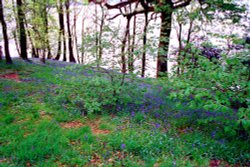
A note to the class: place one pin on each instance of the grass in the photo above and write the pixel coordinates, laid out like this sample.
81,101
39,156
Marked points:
39,127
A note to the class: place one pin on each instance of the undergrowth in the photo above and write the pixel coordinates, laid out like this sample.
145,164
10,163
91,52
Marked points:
72,116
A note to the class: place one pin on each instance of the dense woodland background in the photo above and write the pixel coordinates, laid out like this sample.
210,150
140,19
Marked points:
155,82
121,35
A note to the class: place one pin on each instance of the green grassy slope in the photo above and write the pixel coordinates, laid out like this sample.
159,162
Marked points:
38,128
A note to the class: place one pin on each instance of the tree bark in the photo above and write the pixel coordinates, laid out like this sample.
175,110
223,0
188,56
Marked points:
100,48
61,33
5,35
33,49
22,31
124,41
61,26
144,45
82,45
46,24
71,54
96,36
131,56
162,59
15,32
75,35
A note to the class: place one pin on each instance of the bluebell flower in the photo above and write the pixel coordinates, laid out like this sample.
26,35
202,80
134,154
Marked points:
132,113
123,146
213,134
157,125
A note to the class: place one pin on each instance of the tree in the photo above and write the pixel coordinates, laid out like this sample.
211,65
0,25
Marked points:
71,54
166,8
22,31
5,35
61,32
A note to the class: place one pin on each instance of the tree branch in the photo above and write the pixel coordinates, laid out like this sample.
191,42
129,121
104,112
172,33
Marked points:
120,5
181,3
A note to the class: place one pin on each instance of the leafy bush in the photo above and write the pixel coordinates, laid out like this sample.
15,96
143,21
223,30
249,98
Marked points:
219,90
105,91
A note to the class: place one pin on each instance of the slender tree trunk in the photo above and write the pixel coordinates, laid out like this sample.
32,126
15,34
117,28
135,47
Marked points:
123,56
16,42
180,50
100,48
59,49
49,56
131,57
75,36
71,54
129,50
22,31
33,49
162,59
82,45
5,35
61,33
96,36
144,45
15,32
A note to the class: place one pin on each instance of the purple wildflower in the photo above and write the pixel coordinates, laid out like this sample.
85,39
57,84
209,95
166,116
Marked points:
213,134
123,146
157,125
132,113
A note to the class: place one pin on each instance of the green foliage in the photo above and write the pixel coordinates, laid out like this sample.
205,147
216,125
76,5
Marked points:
218,86
97,94
33,115
9,119
46,141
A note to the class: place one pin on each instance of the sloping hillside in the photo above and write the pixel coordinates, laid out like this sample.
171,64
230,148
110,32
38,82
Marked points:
62,114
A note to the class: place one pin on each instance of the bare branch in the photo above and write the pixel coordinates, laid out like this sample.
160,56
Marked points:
115,16
120,5
181,3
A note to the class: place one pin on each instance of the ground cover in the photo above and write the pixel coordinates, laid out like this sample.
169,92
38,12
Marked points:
51,115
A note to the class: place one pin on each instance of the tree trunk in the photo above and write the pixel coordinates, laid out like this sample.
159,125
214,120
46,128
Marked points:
96,35
46,24
59,49
129,50
71,54
123,56
75,35
100,48
16,42
82,45
144,45
22,31
61,33
162,59
5,35
33,49
15,32
60,17
131,56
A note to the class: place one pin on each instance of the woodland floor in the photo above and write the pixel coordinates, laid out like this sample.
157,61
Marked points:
37,130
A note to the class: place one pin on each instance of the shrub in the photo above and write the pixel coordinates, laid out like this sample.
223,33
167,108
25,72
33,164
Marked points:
219,90
102,92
